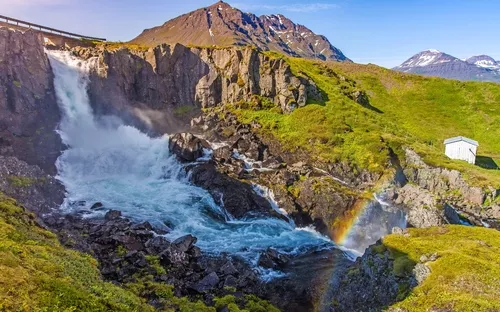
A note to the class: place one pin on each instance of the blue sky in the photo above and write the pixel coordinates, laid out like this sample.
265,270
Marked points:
384,32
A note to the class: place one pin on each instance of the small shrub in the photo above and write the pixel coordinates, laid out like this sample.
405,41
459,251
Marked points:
183,110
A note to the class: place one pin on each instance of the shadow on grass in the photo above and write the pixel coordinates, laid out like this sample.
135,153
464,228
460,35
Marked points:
486,163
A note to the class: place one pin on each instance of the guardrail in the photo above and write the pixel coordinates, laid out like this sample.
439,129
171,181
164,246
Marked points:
10,20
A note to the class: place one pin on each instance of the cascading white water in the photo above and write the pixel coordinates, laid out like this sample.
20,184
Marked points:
126,170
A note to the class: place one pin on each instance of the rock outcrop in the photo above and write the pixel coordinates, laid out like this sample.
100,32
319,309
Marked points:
433,187
376,280
162,88
423,208
29,113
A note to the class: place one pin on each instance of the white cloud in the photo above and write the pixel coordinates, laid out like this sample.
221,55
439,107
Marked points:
298,7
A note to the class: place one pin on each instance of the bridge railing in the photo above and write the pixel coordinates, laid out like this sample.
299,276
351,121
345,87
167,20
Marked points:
10,20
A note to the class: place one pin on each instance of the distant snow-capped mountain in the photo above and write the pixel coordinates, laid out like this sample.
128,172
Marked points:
484,61
439,64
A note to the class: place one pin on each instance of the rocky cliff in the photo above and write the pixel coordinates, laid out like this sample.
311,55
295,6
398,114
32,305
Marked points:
431,189
28,109
163,87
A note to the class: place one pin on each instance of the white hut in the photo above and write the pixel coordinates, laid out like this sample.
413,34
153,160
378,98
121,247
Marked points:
461,148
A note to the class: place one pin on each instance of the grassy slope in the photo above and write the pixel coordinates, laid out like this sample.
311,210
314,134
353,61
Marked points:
38,274
466,275
415,111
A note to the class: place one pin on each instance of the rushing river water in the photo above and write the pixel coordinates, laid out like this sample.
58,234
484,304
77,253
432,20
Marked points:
125,169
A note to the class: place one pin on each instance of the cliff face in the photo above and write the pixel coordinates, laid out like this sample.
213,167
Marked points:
28,109
432,189
163,87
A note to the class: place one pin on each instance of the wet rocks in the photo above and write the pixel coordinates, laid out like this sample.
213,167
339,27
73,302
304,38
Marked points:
112,215
187,146
185,243
273,259
237,197
97,206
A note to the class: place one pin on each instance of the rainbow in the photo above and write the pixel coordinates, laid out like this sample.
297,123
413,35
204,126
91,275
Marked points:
343,225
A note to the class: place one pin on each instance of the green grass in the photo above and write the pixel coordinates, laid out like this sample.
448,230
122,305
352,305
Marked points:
466,274
405,110
20,181
183,110
38,274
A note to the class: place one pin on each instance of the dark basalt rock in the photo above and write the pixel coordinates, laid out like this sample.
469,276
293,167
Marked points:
273,259
185,243
112,215
97,206
173,256
372,281
187,146
207,283
236,197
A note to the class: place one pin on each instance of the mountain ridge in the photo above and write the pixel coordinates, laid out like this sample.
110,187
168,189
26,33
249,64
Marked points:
222,25
439,64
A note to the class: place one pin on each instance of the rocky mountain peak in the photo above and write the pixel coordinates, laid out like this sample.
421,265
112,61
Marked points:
439,64
484,61
222,25
427,58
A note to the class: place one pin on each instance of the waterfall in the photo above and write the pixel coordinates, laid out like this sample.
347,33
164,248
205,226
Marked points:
125,169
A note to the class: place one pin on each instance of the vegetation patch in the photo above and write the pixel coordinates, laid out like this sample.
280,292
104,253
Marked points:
183,110
21,181
465,277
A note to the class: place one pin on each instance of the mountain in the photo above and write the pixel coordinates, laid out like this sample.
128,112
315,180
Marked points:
484,61
439,64
222,25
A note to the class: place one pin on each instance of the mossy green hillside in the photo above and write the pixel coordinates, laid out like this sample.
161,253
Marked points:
464,277
403,110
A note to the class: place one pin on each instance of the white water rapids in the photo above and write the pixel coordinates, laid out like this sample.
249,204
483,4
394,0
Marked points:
123,168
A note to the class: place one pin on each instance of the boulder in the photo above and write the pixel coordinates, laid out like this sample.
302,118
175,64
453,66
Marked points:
112,215
97,206
173,256
238,198
187,147
271,258
207,283
157,244
184,243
